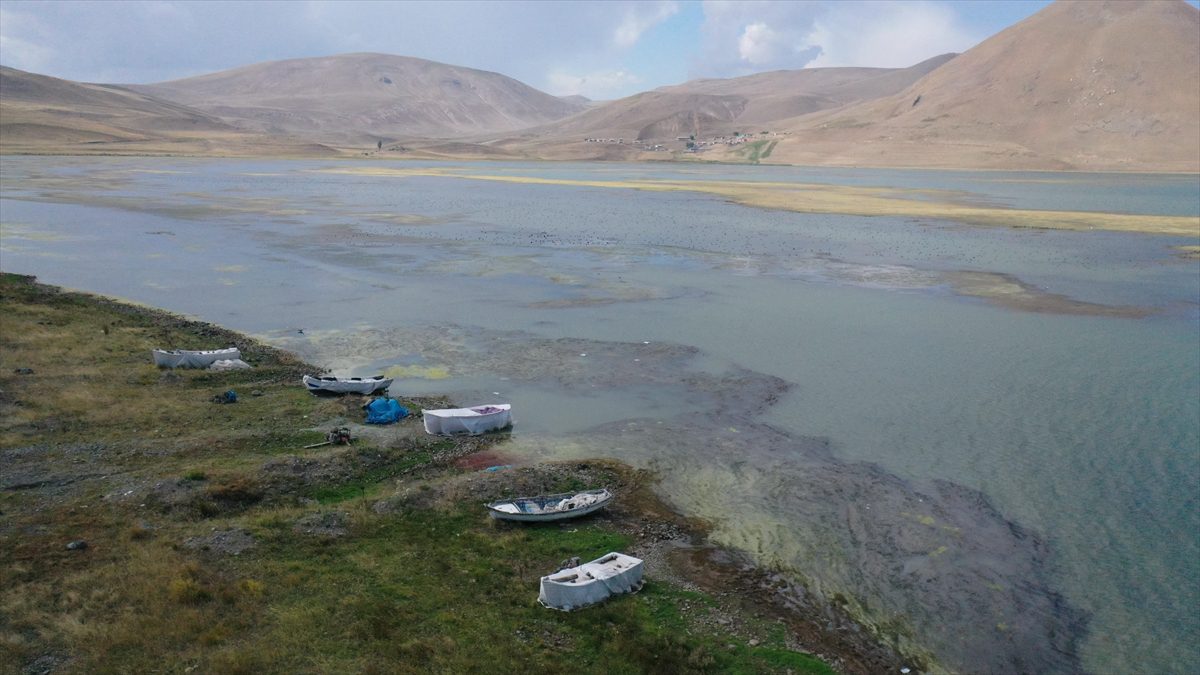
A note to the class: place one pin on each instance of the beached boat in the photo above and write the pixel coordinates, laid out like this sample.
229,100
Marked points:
591,582
186,358
551,507
347,385
472,421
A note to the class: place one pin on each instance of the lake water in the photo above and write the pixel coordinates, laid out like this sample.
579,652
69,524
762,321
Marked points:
1010,488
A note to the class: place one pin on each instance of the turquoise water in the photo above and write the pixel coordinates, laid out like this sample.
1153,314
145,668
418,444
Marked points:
601,312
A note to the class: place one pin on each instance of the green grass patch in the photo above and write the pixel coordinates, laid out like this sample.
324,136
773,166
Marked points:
418,589
434,591
757,150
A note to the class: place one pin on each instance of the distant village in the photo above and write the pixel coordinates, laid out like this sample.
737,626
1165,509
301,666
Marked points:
691,143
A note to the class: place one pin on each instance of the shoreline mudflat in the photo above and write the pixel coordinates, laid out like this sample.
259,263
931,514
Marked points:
213,540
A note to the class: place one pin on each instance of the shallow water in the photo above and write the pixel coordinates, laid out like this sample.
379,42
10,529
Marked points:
764,361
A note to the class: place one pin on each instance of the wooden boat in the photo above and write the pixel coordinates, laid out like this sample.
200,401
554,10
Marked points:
551,507
186,358
591,582
472,421
347,385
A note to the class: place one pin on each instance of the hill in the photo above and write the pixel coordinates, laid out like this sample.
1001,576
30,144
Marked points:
357,98
47,114
715,107
1079,85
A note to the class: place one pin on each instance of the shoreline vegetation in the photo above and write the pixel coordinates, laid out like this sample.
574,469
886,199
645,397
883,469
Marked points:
216,543
844,200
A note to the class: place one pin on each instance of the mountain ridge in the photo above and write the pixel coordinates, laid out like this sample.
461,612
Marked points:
1094,86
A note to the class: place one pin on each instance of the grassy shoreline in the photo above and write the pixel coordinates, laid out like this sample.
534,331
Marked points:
215,544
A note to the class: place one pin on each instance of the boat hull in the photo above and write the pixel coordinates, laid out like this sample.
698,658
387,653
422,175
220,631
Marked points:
592,582
185,358
347,385
450,421
532,509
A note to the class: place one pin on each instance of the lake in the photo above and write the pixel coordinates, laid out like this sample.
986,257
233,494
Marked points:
984,441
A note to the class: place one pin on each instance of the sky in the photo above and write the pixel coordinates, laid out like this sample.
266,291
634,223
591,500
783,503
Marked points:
602,50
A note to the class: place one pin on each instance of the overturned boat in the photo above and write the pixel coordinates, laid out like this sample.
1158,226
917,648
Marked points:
186,358
474,421
591,582
347,385
551,507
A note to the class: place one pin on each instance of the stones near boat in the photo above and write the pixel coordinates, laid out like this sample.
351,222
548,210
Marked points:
77,545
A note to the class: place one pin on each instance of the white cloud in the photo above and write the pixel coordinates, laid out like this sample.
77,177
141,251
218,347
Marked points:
739,38
888,34
759,44
599,85
639,18
21,43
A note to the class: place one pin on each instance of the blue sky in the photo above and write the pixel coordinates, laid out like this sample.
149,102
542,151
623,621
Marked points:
599,49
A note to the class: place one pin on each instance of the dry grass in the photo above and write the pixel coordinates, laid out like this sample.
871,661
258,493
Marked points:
846,200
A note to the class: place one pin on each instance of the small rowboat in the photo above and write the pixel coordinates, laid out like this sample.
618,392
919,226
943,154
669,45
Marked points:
551,507
591,582
184,358
347,385
472,421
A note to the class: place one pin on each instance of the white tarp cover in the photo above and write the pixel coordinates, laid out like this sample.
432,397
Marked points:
472,421
184,358
348,385
591,582
229,364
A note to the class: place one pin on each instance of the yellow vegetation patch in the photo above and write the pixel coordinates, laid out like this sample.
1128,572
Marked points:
418,372
845,200
1188,252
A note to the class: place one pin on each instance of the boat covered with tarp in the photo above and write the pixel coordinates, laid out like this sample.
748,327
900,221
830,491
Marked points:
186,358
551,507
591,582
347,385
474,421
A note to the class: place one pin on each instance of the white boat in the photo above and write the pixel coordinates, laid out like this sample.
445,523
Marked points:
347,385
186,358
591,582
551,507
472,421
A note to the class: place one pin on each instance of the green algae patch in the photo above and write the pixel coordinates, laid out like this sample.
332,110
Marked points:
843,200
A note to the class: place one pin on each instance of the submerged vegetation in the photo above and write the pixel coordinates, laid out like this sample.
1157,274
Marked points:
213,542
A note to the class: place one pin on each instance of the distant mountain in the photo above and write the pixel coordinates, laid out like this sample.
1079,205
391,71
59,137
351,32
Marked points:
578,99
360,97
1082,84
722,106
40,114
1079,85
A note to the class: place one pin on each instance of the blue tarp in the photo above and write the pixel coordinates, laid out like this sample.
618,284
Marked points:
385,411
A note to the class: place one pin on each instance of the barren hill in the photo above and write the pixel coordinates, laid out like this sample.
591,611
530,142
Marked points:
714,107
359,97
1079,85
46,114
